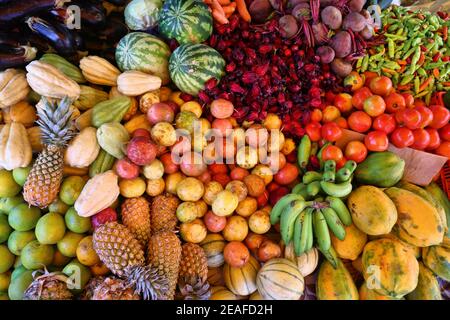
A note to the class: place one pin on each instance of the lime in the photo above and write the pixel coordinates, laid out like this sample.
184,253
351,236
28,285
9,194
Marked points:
6,258
58,206
78,275
18,240
36,255
8,187
76,223
59,260
19,283
24,218
70,189
50,228
68,245
5,229
5,279
6,204
20,175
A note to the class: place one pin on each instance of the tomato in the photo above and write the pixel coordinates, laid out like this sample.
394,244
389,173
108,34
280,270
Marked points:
359,96
421,139
359,121
381,85
426,114
356,151
441,116
384,122
410,118
343,101
402,137
341,122
331,131
354,81
369,75
376,141
332,153
341,163
374,105
444,132
435,140
330,113
316,115
444,149
313,131
419,102
409,99
395,102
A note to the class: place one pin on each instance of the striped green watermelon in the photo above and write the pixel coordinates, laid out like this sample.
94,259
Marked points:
143,52
142,14
187,21
191,65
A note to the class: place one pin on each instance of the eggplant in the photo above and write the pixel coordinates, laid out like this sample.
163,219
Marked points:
11,57
58,36
79,41
94,44
17,10
92,14
113,30
118,2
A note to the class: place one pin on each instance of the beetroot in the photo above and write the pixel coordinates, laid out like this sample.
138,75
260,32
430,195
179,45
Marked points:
341,67
102,217
288,26
259,10
354,21
141,151
302,11
342,44
367,32
356,5
332,17
326,54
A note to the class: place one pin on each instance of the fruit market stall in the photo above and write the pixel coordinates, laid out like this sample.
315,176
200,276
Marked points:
224,150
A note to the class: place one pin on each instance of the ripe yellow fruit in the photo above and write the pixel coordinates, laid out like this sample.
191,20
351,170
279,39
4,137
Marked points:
86,253
192,106
175,97
155,187
132,188
225,203
194,231
236,229
259,222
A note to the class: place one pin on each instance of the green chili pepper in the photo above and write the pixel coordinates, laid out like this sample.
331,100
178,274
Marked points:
394,37
365,63
415,58
430,66
423,93
406,79
416,42
421,72
393,27
408,53
391,48
399,32
416,84
359,63
395,78
407,45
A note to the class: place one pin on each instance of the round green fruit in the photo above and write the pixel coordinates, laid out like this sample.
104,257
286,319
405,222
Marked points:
36,255
58,206
8,187
6,258
7,204
24,218
70,189
20,175
68,245
50,228
5,280
18,240
21,278
76,223
78,275
5,229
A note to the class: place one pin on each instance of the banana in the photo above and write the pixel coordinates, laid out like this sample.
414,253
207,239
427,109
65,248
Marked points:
334,223
288,216
343,174
306,239
314,148
304,152
298,228
329,176
341,210
311,176
330,165
313,188
310,235
277,209
319,154
351,165
331,256
298,188
339,190
321,231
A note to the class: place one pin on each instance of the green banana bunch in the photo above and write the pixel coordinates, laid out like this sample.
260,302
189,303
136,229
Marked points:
304,152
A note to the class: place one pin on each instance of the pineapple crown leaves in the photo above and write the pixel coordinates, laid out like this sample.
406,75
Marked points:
55,121
193,288
147,282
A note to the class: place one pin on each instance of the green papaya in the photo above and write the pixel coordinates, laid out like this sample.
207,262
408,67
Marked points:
102,163
441,198
381,169
428,286
437,258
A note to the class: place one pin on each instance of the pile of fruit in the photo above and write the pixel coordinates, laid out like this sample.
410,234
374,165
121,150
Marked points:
223,150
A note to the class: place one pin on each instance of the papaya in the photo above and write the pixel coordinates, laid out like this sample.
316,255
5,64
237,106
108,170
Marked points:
418,221
440,197
352,245
428,197
389,268
381,169
428,286
393,235
335,283
437,258
372,211
369,294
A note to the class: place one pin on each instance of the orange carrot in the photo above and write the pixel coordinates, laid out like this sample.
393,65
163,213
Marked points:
219,17
224,2
215,5
230,8
242,9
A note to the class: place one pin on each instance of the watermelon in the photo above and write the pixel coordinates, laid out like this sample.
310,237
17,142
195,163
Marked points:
187,21
142,14
143,52
191,65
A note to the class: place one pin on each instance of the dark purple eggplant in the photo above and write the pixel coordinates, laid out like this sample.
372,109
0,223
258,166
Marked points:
113,30
92,14
9,39
79,41
117,2
62,15
94,44
59,37
11,57
18,10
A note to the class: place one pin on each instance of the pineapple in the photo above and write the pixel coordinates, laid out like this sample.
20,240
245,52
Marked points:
49,286
123,255
43,182
193,275
163,213
113,288
164,254
136,217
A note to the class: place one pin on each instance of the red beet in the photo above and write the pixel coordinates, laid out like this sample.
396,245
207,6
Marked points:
141,151
104,216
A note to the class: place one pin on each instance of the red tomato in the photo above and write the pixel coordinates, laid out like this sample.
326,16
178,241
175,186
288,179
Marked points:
381,85
369,75
444,132
395,102
409,99
343,101
402,137
410,118
444,149
341,122
316,115
359,121
332,153
287,174
384,122
421,139
441,116
376,141
356,151
426,114
331,131
341,163
419,102
374,105
313,131
359,96
435,140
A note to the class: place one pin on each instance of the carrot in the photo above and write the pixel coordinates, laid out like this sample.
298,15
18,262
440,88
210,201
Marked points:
224,2
230,8
425,84
436,73
215,5
242,9
445,31
219,17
